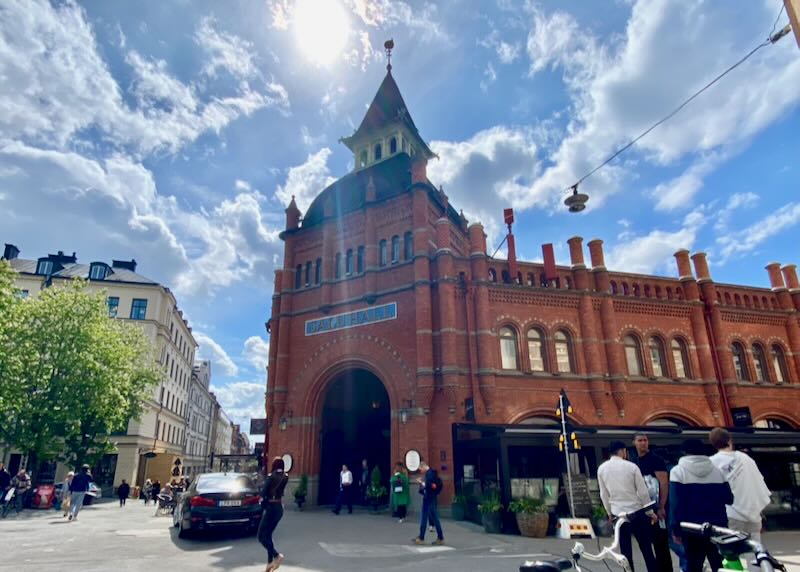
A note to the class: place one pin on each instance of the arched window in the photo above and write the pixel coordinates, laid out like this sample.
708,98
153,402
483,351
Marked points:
318,272
760,363
613,287
563,352
658,292
739,363
506,277
378,152
647,291
508,348
519,277
395,249
348,264
382,254
625,289
298,277
737,299
728,301
636,290
360,260
681,358
669,293
338,266
633,355
679,293
536,349
530,279
392,146
657,357
779,364
363,159
492,275
308,273
772,423
756,302
408,245
746,300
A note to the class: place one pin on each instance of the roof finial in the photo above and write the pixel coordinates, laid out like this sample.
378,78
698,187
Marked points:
389,46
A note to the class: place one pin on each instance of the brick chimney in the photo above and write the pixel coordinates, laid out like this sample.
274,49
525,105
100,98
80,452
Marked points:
596,254
125,264
701,266
684,265
775,276
576,251
789,276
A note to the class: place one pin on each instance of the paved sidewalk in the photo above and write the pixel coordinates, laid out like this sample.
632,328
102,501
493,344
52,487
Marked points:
107,538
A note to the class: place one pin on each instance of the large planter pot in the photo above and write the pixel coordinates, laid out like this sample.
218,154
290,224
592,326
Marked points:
492,522
533,524
602,527
300,500
458,511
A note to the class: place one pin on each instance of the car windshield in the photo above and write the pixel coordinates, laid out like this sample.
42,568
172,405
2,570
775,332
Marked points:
225,483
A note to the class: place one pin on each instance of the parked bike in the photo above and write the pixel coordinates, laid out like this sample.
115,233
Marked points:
11,501
733,543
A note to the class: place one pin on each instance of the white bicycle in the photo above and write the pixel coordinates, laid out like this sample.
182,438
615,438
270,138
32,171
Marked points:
611,552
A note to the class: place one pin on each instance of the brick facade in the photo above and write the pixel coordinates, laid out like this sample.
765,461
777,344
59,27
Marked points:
443,348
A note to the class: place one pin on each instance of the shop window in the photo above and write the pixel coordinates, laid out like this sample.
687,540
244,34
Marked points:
739,363
382,254
779,364
760,363
338,266
657,359
536,353
633,355
508,348
408,245
563,345
348,265
360,260
395,249
680,357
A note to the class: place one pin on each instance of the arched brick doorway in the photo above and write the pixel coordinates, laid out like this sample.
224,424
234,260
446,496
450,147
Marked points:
356,418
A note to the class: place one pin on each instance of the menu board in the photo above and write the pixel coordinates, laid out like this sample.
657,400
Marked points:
581,496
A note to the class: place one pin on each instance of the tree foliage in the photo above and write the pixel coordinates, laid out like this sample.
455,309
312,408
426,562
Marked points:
70,376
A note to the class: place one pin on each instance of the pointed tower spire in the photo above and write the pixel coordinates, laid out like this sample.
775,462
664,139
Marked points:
292,215
387,128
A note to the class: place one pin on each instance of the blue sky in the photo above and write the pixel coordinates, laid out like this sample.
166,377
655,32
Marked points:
175,132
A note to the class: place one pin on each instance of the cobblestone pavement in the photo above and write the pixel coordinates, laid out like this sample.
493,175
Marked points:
107,538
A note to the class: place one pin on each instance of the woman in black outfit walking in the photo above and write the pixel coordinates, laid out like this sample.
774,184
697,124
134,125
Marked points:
272,501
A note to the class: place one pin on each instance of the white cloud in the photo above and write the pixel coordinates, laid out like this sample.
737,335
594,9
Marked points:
748,239
226,51
506,52
389,14
211,350
310,140
679,192
256,351
305,181
653,251
489,77
736,202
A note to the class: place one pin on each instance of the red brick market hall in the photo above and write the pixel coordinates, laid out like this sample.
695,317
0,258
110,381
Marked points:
393,330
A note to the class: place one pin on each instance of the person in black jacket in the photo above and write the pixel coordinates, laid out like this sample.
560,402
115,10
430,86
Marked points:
123,492
272,502
78,489
698,493
430,487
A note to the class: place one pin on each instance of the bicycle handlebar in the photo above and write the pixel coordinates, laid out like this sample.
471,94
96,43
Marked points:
735,542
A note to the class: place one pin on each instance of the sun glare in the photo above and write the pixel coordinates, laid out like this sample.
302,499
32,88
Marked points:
321,28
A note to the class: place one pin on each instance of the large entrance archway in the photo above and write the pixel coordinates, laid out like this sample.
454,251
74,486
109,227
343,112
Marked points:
355,425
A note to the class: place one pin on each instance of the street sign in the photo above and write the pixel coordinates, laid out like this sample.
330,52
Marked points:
258,426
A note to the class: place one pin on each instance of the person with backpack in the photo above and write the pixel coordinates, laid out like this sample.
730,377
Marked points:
429,487
750,493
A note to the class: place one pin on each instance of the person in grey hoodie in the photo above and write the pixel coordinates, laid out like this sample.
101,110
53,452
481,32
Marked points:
698,493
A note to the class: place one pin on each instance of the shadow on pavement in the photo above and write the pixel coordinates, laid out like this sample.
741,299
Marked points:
231,548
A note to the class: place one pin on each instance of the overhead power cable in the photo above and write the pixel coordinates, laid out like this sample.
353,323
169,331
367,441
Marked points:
771,39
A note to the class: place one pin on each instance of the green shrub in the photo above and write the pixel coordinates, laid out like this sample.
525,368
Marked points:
527,505
490,502
302,486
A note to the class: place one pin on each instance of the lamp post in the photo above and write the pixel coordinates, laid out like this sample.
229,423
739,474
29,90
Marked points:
566,440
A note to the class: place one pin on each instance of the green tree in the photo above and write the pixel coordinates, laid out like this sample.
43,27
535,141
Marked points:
74,375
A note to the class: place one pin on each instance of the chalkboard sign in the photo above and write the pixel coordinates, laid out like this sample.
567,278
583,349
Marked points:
581,496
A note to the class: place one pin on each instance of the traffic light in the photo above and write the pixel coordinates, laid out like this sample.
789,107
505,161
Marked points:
563,402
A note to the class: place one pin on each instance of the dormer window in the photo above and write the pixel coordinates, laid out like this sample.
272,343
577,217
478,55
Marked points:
98,271
378,152
45,267
363,160
392,146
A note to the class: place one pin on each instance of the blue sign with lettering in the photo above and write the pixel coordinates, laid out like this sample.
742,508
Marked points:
352,319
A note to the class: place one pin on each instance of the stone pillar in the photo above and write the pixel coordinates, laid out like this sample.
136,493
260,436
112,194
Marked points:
422,293
483,325
446,301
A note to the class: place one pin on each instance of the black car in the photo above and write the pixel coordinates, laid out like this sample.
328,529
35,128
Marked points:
216,500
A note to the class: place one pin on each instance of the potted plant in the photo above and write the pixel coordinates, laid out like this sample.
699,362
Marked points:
532,516
458,508
301,491
491,512
600,521
375,491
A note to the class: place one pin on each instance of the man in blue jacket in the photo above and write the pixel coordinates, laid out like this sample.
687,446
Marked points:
429,488
78,487
697,493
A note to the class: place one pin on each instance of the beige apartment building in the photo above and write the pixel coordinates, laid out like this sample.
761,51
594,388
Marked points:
152,447
200,421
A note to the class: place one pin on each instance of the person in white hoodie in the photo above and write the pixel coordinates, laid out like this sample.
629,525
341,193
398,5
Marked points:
750,492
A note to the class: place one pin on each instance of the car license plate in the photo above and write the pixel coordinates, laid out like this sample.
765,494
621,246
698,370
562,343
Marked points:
230,503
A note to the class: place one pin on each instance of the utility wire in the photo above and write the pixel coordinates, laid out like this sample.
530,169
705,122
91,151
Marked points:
771,39
778,17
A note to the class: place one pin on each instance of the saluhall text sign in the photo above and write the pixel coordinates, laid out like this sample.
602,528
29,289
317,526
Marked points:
351,319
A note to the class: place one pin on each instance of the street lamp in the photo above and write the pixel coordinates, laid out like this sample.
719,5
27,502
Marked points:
576,201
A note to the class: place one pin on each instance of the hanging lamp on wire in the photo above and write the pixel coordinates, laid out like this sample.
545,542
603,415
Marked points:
576,201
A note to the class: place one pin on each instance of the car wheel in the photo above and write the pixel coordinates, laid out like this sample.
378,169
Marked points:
182,532
175,519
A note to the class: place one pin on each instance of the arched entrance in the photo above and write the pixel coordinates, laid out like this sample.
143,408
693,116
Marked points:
355,425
